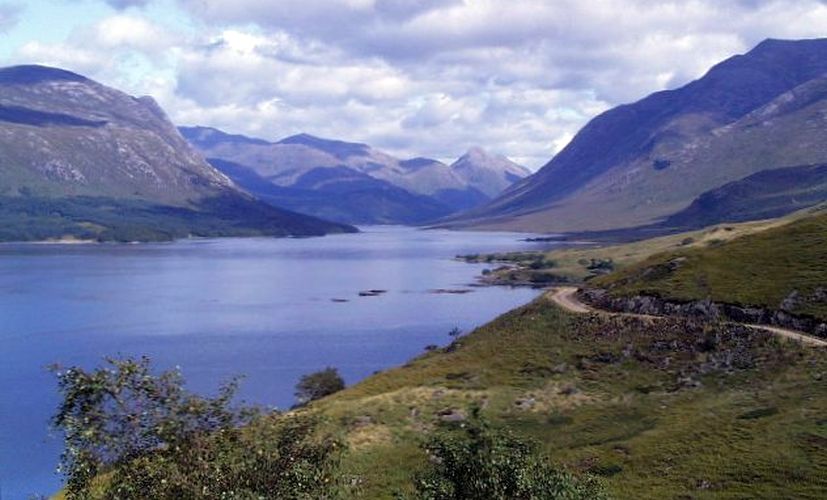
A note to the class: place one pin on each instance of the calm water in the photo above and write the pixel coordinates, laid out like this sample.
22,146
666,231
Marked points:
217,308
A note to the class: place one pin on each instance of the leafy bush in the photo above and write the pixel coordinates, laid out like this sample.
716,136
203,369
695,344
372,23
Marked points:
601,265
474,461
319,384
131,434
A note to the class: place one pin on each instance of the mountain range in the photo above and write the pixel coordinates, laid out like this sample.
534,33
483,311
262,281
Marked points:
677,159
86,161
353,182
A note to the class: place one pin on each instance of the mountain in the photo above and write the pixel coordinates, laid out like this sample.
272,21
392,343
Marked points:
637,164
87,161
489,174
353,182
349,196
765,195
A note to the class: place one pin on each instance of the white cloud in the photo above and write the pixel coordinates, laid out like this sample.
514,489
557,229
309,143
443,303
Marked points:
421,77
132,32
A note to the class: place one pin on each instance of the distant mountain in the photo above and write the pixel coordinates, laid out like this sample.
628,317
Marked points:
338,194
353,182
490,174
86,161
637,164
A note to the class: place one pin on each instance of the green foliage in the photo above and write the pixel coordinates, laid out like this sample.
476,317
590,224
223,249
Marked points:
273,458
319,384
475,461
131,434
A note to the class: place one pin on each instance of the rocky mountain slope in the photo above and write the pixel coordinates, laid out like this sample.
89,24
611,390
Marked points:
86,161
639,163
354,182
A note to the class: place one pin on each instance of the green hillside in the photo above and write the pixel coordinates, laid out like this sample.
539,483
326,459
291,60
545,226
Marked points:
605,396
761,269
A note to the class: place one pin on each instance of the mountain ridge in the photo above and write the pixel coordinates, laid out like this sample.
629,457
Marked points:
607,176
112,166
403,186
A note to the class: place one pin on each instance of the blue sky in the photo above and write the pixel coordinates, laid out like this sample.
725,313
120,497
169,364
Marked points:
414,77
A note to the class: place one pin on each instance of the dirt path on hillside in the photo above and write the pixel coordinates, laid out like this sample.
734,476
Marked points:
566,297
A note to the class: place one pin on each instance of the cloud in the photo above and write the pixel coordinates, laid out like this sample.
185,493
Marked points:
9,16
125,4
520,78
420,77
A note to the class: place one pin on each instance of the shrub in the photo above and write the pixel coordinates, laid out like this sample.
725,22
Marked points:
131,434
601,265
474,461
319,384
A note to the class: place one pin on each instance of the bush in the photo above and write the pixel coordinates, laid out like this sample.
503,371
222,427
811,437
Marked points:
474,461
131,434
601,265
319,384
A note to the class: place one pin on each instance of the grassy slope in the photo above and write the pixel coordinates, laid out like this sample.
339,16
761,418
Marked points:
570,263
755,432
760,269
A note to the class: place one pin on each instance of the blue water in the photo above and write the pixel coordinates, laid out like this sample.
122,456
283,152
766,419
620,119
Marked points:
217,308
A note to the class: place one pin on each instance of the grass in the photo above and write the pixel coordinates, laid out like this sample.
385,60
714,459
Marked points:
643,404
572,264
760,269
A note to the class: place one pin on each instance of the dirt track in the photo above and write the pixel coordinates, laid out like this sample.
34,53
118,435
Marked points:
566,297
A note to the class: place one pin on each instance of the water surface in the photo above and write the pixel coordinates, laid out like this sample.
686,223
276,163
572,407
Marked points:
259,307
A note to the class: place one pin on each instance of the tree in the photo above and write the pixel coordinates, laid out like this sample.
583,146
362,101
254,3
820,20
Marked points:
473,461
131,434
318,384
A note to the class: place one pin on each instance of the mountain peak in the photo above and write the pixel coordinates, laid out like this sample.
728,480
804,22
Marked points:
30,74
476,152
488,172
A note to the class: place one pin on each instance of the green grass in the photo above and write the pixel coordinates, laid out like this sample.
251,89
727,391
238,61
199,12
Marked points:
572,264
760,269
605,400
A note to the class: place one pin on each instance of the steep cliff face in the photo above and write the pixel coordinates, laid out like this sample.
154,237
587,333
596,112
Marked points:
84,160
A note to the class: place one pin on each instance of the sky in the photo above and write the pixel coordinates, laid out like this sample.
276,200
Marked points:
412,77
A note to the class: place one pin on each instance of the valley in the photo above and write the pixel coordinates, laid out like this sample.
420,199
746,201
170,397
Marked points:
414,316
